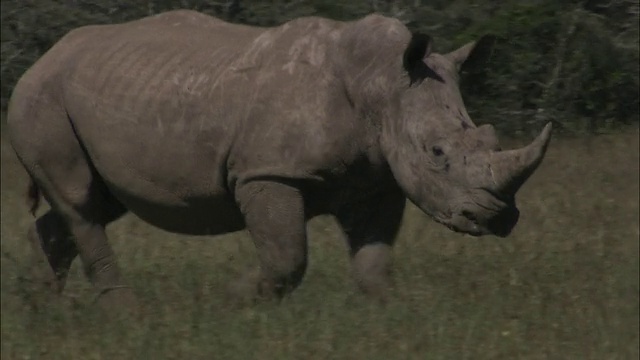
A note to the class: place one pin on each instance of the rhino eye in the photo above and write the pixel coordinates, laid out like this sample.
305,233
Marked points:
437,151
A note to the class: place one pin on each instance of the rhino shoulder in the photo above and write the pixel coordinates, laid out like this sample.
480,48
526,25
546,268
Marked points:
375,28
181,17
374,38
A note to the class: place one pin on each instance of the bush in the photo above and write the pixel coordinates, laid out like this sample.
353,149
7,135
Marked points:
575,63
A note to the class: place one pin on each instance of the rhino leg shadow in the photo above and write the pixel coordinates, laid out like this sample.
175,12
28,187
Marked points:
53,249
370,228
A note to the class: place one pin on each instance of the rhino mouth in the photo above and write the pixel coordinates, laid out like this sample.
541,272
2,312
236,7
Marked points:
499,223
462,226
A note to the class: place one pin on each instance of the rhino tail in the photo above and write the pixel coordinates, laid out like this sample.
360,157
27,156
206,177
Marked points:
33,196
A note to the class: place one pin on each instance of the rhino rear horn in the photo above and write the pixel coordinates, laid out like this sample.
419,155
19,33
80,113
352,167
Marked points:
413,60
511,168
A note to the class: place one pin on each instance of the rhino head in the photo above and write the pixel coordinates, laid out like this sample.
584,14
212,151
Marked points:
453,170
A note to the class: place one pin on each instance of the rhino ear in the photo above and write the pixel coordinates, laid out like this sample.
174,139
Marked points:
413,60
472,55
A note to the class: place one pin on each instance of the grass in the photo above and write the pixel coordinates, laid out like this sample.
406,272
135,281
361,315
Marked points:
564,285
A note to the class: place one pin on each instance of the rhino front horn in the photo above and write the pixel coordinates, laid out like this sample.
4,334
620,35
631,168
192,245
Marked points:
511,168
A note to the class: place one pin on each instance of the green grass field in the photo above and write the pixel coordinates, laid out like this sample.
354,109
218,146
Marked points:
564,285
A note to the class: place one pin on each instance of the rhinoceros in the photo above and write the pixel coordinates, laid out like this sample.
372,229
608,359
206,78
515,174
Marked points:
199,126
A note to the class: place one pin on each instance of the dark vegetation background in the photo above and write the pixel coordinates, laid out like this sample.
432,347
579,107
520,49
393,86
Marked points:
564,285
573,62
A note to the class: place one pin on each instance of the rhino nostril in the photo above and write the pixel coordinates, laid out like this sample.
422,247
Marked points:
469,215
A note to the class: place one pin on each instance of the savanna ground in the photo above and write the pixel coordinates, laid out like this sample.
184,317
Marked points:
564,285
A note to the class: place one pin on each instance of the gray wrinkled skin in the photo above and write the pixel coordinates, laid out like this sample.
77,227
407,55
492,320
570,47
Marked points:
199,126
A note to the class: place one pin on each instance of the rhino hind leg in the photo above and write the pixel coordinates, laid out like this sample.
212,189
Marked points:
81,207
48,147
274,216
77,222
75,225
53,248
370,228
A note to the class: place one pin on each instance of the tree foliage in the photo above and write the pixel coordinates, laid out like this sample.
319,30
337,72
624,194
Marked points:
573,62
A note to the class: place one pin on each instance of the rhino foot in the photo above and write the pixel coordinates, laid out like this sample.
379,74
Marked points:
372,270
119,301
255,287
118,297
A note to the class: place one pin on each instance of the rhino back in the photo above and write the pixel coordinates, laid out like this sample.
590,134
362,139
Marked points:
140,95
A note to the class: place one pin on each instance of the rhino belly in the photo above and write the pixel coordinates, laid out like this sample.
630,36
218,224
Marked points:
178,188
212,215
196,214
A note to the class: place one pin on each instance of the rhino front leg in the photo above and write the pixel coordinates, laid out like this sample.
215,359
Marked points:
371,227
274,215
